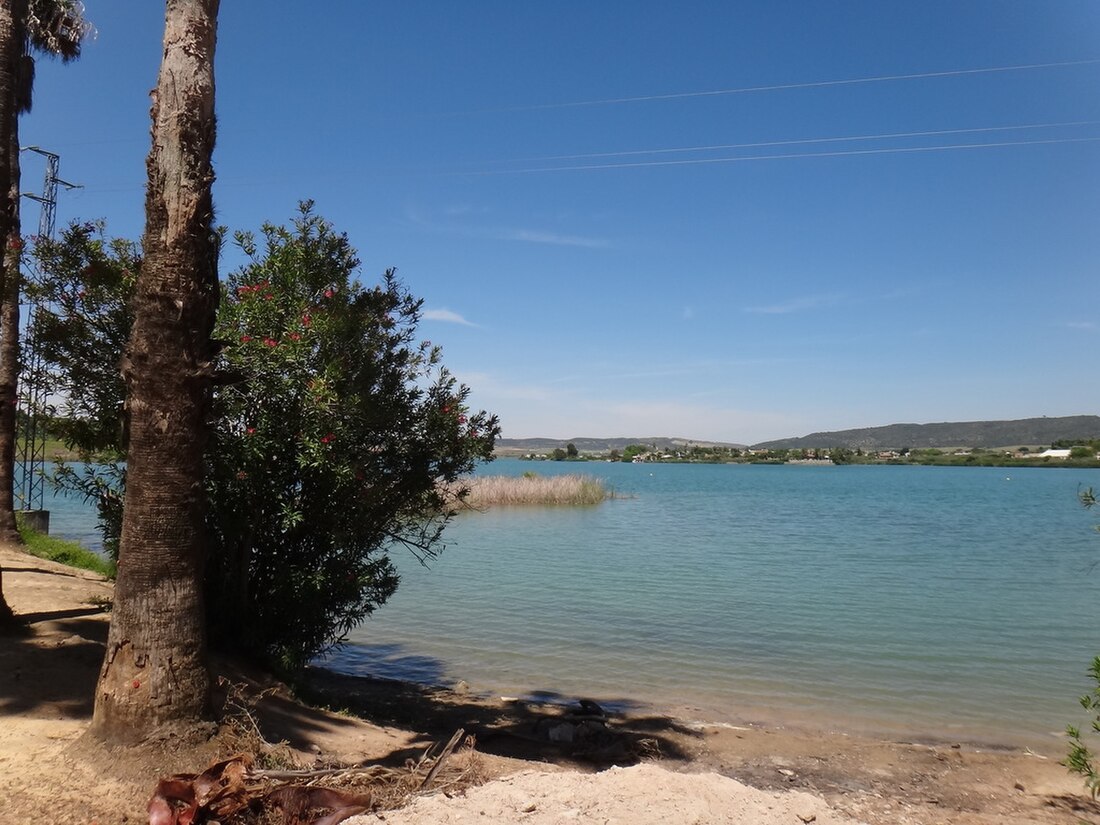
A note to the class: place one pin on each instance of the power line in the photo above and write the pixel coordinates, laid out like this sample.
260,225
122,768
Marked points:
801,141
787,156
776,87
270,181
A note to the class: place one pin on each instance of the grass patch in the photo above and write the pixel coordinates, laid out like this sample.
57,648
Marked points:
65,552
529,489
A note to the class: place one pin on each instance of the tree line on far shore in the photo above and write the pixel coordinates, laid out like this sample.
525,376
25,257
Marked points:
1082,453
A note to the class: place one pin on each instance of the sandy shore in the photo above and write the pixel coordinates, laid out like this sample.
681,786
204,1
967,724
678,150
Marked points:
717,772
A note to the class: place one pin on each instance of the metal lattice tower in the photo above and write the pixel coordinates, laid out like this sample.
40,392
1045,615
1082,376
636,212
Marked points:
48,198
33,378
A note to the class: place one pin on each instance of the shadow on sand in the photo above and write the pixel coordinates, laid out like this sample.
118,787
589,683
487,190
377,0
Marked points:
542,726
49,667
54,673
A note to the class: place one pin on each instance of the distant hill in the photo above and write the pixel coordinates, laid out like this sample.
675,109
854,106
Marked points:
1025,431
523,446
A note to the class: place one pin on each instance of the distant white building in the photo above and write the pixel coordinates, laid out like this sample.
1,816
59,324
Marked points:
1054,454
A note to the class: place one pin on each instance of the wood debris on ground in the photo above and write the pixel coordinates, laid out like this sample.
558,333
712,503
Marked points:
235,792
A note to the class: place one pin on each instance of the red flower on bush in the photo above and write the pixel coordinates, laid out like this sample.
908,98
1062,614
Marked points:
245,289
270,342
245,339
329,293
306,319
250,430
325,439
295,336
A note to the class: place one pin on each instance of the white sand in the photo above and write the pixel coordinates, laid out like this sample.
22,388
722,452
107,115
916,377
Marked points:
641,795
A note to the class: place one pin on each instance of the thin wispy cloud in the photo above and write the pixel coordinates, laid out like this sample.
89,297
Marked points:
453,224
462,209
906,292
1081,324
552,238
492,389
604,372
447,316
794,305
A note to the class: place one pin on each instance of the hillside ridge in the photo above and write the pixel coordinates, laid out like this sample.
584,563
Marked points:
986,434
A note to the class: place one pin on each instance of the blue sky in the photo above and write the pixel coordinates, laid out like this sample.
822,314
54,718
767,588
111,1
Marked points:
841,272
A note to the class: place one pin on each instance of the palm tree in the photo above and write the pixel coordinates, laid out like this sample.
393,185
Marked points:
8,71
53,27
154,672
56,28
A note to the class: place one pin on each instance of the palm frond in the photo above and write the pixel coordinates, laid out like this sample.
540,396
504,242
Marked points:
24,84
57,28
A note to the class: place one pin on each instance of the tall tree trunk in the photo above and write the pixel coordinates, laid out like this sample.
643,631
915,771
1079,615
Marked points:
9,348
10,51
154,673
22,79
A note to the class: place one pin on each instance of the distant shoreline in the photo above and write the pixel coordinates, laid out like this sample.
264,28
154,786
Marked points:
946,460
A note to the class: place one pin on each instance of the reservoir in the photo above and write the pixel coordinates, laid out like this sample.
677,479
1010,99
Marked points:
912,601
940,602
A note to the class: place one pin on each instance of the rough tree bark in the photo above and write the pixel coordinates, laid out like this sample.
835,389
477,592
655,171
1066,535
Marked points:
9,345
16,100
9,57
154,673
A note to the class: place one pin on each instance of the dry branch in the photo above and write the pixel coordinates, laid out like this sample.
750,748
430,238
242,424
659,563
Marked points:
235,792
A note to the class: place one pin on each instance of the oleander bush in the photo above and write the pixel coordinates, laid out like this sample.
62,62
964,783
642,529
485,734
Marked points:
337,435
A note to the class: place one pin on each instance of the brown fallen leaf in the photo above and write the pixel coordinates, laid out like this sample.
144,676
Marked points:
296,800
192,799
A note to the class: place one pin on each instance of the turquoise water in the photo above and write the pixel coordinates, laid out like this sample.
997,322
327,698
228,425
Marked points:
70,517
945,602
912,601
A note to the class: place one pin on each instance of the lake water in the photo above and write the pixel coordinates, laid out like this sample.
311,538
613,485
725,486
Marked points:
913,601
945,602
70,517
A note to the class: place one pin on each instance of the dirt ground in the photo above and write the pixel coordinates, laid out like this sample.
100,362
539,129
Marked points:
50,774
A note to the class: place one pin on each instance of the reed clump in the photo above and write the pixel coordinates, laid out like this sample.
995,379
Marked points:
574,490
